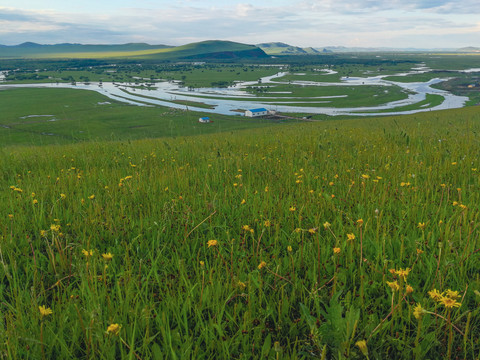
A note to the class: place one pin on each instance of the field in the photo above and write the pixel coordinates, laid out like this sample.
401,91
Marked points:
80,115
337,239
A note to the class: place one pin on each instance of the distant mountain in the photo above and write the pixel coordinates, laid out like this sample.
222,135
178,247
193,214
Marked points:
469,49
279,48
34,50
343,49
212,49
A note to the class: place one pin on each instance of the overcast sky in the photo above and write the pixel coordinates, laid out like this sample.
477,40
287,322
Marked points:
365,23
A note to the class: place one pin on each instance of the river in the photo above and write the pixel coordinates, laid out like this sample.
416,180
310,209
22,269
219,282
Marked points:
228,100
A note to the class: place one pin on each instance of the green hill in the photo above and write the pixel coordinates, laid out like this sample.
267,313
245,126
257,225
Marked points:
213,49
34,50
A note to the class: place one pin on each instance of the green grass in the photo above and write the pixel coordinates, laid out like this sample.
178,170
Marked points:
431,100
194,76
277,201
79,117
367,95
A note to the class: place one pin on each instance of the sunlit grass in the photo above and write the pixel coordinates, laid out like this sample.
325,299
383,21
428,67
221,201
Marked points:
304,241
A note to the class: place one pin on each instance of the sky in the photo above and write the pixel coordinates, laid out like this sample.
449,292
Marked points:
320,23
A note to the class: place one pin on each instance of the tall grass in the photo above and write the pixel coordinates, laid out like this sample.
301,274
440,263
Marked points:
328,237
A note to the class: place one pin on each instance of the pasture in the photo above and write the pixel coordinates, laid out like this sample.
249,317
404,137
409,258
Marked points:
341,239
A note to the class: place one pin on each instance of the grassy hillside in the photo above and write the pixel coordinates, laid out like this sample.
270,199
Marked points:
321,240
33,50
213,48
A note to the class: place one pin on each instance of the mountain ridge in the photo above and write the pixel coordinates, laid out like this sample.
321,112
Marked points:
204,49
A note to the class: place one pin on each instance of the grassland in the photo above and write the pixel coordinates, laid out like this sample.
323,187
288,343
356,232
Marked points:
81,115
190,75
336,96
282,243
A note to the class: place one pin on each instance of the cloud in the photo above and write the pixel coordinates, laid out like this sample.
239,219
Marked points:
367,6
302,23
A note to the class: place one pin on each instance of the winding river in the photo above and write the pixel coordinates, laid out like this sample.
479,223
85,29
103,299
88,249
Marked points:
229,100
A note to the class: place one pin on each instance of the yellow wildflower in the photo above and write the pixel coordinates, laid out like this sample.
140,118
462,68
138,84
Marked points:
422,226
267,223
243,201
393,285
452,294
326,224
241,285
114,329
409,289
202,263
418,311
44,311
336,250
350,237
292,208
262,265
63,196
91,197
403,273
362,345
449,303
435,294
289,248
87,253
359,222
312,230
107,256
212,243
365,176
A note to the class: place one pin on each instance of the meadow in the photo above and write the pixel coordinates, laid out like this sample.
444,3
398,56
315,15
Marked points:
82,115
343,239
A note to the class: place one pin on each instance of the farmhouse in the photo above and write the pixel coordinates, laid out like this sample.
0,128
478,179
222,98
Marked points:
204,120
256,112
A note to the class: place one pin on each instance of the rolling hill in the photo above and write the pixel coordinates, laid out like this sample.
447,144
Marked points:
213,49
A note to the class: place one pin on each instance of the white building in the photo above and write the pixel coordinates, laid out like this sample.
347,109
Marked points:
204,120
256,112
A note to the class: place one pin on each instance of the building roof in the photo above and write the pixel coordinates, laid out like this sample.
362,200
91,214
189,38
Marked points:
205,118
258,110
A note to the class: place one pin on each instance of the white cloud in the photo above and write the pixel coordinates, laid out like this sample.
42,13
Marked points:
244,10
301,23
